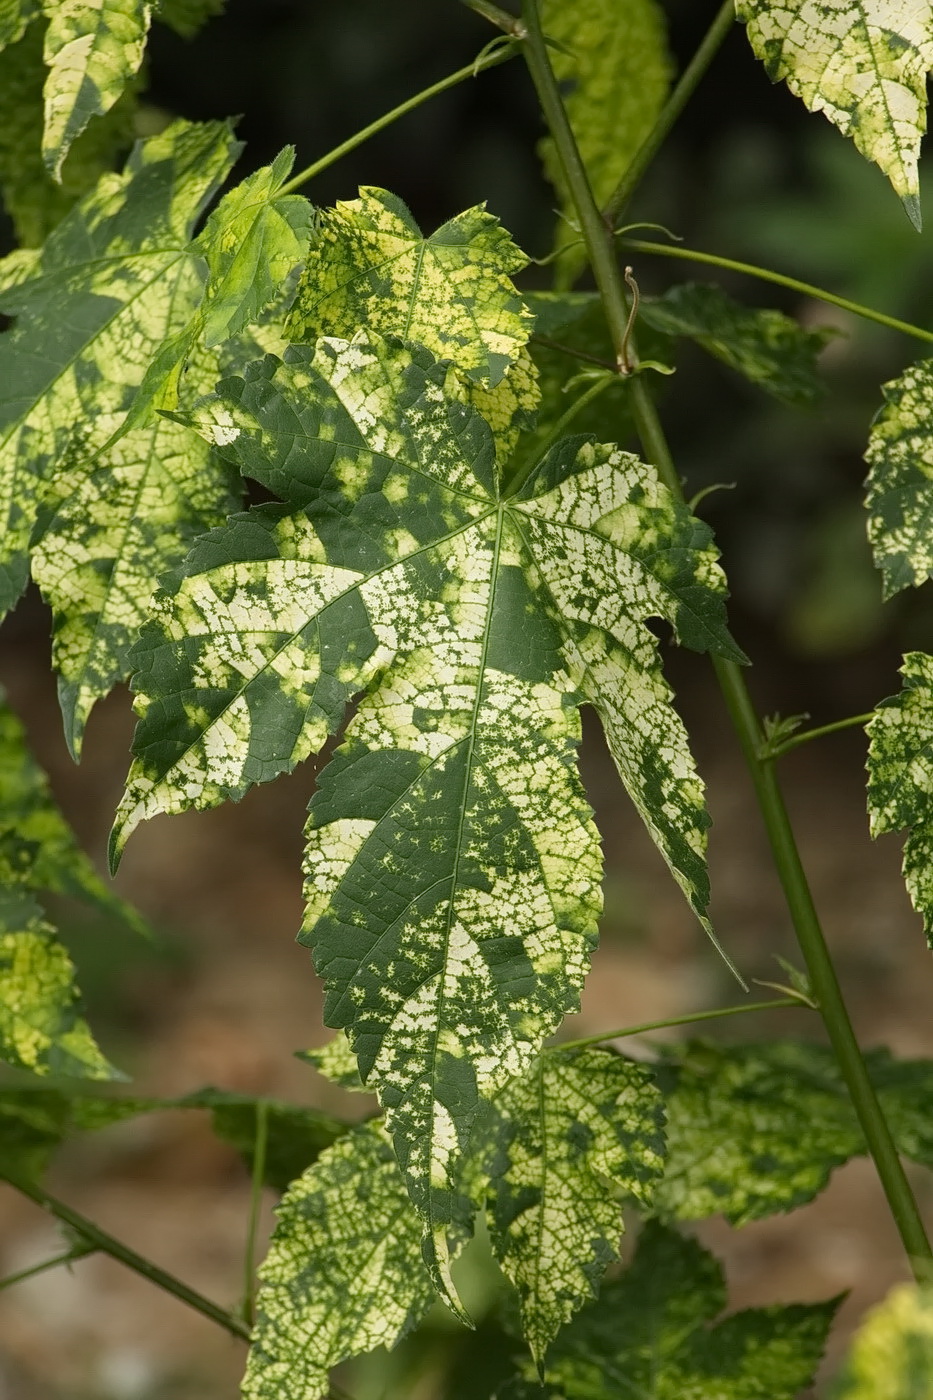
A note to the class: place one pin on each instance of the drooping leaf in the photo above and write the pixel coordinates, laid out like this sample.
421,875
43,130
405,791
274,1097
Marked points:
900,777
370,266
767,347
452,867
38,849
757,1129
899,498
891,1357
93,49
119,261
187,16
573,1140
614,68
15,15
34,201
42,1025
864,63
343,1274
650,1335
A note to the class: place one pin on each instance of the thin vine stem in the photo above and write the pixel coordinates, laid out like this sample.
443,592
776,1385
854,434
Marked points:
686,86
780,279
55,1263
822,973
255,1204
489,58
502,19
103,1243
547,343
769,751
715,1015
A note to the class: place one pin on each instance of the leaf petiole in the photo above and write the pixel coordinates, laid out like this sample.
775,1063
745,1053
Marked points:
255,1203
646,1026
76,1252
778,749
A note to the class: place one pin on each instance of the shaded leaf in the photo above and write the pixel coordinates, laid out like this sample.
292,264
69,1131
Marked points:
42,1025
614,69
187,16
899,499
452,866
767,347
93,49
573,1140
649,1335
120,259
900,777
343,1274
863,63
891,1357
15,15
296,1135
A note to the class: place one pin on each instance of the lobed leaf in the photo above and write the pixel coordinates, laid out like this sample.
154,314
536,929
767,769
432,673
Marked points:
343,1274
569,1143
900,777
650,1335
452,866
93,49
864,63
899,498
612,61
891,1357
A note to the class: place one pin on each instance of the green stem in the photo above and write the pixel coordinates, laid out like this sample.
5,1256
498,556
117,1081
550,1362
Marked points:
515,484
794,742
55,1263
765,274
489,58
784,849
675,104
681,1021
508,23
547,343
255,1204
103,1243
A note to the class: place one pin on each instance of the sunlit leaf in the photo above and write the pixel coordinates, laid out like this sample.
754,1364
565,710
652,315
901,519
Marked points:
891,1357
864,63
15,15
900,483
337,1062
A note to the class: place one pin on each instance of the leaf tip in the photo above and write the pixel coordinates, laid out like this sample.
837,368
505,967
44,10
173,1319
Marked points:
911,204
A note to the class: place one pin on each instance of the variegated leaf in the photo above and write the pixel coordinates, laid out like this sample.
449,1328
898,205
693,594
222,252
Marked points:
864,63
370,266
652,1335
900,777
343,1274
891,1356
15,15
899,498
121,261
337,1062
571,1142
187,16
612,60
452,867
42,1026
93,49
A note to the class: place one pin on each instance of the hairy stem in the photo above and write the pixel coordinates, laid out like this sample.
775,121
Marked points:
98,1240
764,274
822,973
489,58
675,104
81,1252
778,750
508,23
715,1015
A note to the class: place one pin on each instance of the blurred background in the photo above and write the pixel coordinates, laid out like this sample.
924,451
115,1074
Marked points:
226,996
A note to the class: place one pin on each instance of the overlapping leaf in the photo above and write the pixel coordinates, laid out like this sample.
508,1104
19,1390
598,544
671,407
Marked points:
452,867
571,1142
864,63
756,1129
615,69
650,1335
15,15
343,1274
891,1357
337,1062
900,777
900,483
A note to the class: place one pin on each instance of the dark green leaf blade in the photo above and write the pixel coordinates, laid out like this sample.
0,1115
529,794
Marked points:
187,16
296,1135
899,497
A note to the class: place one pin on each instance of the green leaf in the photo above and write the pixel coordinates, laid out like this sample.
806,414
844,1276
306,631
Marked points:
452,867
38,849
187,16
891,1357
113,280
649,1335
337,1062
370,266
765,346
34,201
614,69
93,49
15,15
573,1140
900,777
42,1027
757,1129
343,1274
31,1128
296,1135
899,499
864,63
